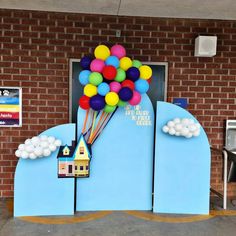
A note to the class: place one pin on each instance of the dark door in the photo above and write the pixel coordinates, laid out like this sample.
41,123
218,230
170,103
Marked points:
70,169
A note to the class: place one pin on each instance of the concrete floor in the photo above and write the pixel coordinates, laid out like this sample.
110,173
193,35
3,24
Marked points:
118,223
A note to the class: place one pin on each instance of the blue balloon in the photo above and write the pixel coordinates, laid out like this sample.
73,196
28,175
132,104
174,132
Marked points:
141,86
112,61
84,77
125,94
103,89
85,62
97,102
133,73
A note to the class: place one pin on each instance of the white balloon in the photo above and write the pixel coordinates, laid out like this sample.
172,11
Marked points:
21,147
18,153
44,144
35,140
46,152
28,141
170,124
32,156
38,151
198,125
196,133
191,121
189,135
51,139
24,155
165,129
177,133
184,131
52,147
58,142
192,127
176,120
172,131
185,121
43,137
29,148
178,127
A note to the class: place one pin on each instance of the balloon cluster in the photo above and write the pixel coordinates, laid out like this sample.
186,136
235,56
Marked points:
38,146
182,127
112,79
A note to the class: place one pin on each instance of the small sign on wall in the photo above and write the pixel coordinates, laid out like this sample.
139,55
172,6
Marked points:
10,106
182,102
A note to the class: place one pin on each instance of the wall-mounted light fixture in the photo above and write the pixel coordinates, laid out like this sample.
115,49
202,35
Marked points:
205,46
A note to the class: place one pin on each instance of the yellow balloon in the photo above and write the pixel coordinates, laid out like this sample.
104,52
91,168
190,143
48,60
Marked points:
102,52
90,90
112,99
125,63
145,72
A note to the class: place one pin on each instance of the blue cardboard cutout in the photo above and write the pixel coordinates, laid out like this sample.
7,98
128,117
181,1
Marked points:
121,168
38,190
182,167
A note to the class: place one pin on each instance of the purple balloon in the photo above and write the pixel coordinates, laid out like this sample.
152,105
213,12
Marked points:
125,94
97,102
133,73
85,62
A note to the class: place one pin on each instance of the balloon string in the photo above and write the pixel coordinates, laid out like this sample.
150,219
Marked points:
98,125
85,121
93,125
105,121
89,123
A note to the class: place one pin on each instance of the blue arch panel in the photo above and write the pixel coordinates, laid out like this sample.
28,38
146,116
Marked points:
122,163
182,167
38,190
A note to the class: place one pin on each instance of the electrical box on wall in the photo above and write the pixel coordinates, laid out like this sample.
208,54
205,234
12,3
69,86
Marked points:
205,46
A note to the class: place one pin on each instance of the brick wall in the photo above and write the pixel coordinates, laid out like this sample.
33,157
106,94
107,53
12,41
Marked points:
36,48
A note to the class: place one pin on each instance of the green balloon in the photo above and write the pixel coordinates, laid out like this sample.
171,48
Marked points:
120,75
95,78
136,63
109,108
121,103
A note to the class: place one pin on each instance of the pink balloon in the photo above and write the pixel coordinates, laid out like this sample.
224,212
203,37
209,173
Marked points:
118,51
97,65
115,87
135,100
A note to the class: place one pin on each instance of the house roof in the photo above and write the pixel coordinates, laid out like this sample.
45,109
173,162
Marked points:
88,146
72,150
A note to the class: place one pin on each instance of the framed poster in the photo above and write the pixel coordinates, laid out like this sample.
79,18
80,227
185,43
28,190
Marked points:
157,91
10,106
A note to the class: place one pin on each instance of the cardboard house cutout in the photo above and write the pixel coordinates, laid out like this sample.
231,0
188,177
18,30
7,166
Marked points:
74,161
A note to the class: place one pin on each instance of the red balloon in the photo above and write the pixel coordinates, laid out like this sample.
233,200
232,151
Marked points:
109,72
149,80
128,83
84,102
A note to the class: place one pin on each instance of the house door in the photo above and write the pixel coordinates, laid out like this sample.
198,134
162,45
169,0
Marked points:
70,169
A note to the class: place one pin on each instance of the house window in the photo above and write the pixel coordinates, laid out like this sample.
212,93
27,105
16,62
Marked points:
66,151
81,150
86,167
81,168
62,167
76,168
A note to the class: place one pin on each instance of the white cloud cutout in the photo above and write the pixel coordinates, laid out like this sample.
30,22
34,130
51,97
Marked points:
182,127
38,146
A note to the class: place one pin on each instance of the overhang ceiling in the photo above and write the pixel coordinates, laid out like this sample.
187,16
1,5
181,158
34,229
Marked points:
203,9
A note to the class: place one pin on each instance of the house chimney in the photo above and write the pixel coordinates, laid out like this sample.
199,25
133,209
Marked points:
73,143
